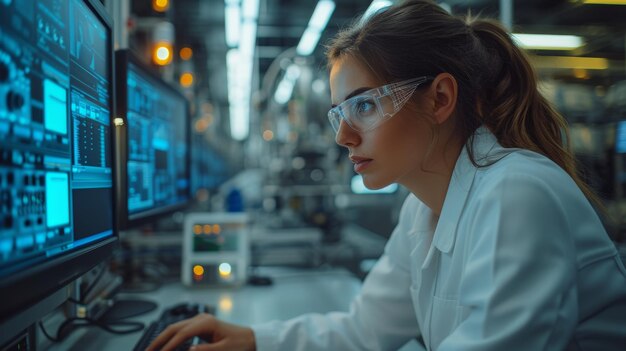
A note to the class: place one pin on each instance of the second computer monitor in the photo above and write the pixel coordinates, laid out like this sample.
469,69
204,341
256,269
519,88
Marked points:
155,150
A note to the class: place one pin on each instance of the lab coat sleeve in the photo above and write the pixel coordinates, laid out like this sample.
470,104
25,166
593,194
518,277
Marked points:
380,318
518,288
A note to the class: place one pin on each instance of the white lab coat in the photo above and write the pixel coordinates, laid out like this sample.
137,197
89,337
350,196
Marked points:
518,260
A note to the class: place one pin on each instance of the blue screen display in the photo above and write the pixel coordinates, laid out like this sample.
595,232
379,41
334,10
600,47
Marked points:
55,150
158,176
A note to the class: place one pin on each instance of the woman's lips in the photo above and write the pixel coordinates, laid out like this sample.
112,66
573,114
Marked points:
360,163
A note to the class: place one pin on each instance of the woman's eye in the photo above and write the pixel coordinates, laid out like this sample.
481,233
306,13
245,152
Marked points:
365,108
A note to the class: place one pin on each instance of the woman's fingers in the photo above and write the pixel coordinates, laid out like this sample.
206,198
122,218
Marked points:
166,335
177,333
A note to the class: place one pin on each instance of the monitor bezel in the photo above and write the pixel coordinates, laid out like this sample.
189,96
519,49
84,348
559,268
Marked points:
19,293
122,58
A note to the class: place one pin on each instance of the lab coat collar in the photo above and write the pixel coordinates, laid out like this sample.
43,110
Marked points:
485,147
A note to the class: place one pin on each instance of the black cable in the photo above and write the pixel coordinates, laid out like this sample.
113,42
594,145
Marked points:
86,322
74,301
45,333
84,293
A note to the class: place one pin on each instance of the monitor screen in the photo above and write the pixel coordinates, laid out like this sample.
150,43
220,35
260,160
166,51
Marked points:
157,171
620,138
56,99
209,168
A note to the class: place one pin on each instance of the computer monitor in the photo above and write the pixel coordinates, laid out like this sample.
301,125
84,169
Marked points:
56,165
209,168
155,175
620,137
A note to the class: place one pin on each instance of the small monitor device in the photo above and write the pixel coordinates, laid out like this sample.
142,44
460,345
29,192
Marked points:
155,152
56,159
216,249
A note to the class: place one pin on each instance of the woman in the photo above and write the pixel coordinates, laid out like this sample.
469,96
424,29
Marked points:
498,246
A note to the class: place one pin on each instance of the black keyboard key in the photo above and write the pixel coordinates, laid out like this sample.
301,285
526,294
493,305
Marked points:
170,316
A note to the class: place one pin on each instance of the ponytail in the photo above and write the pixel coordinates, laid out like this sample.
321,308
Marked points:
514,109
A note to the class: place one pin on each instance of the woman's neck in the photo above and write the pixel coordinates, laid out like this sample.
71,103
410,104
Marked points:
430,183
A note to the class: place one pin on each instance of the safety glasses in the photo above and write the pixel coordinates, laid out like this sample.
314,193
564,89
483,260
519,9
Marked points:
370,109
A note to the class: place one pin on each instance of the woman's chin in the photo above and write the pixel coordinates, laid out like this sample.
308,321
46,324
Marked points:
374,184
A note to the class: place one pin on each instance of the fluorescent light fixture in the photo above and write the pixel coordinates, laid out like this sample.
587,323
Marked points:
548,41
250,9
375,6
284,91
570,62
604,2
323,10
232,21
446,7
311,36
308,42
247,40
240,64
240,121
286,85
239,83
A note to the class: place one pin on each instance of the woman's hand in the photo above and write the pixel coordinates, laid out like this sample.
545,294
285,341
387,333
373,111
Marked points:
222,336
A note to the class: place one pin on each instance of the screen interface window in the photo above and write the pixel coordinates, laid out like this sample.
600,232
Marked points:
55,152
157,145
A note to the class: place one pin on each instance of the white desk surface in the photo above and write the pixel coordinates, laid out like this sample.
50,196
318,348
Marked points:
294,292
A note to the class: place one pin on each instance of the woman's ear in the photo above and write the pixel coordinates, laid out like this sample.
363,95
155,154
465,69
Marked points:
444,90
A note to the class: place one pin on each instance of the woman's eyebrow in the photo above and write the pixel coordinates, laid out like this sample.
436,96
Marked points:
354,93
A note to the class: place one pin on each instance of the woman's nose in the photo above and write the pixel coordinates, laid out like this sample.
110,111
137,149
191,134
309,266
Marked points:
346,136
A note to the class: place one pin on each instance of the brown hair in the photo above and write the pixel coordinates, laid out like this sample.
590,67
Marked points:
497,85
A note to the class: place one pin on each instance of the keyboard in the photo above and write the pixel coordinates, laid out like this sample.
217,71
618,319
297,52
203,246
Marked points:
172,315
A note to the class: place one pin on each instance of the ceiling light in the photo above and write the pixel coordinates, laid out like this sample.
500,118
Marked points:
374,7
286,85
570,62
548,41
250,9
604,2
323,10
232,21
239,85
311,36
240,64
308,42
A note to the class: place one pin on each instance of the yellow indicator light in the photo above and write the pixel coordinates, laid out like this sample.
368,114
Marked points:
198,270
207,229
186,79
160,5
225,269
268,135
162,53
186,53
197,229
202,124
217,229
